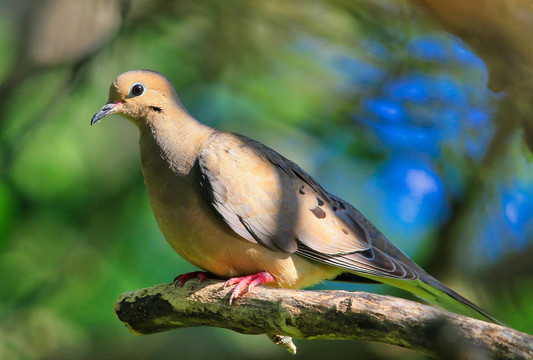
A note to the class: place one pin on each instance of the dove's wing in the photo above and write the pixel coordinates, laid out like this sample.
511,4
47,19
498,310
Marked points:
268,199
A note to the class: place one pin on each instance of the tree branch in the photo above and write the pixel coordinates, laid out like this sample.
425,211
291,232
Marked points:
320,315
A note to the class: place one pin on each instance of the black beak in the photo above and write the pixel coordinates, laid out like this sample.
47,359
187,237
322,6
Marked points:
107,109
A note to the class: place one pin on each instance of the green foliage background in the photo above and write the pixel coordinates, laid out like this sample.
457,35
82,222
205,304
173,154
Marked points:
76,229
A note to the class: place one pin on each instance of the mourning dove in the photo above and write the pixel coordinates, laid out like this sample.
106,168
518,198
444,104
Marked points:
241,211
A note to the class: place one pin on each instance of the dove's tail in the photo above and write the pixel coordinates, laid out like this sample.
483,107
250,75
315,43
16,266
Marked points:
432,290
429,289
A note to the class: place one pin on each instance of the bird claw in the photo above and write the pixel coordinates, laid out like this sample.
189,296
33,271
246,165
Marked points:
180,280
247,283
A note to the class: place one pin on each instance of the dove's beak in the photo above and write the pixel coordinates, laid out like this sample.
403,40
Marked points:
107,109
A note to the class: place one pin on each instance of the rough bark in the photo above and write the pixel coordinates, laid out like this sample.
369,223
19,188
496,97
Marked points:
282,313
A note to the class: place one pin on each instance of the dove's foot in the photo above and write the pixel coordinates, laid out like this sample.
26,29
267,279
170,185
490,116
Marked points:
247,283
180,280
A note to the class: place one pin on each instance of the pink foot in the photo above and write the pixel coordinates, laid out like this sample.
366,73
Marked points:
180,280
247,283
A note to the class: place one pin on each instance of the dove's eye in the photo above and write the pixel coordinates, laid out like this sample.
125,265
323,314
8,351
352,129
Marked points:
137,89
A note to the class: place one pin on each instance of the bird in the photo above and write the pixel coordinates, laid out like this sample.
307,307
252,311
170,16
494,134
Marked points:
242,212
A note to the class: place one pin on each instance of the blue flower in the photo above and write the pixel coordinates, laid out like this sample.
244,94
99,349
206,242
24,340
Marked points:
387,110
414,87
429,48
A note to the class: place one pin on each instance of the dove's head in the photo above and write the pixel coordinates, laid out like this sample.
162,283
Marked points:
139,95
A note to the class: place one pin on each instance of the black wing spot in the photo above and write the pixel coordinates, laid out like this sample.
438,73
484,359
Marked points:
301,191
341,205
318,212
367,254
301,177
320,201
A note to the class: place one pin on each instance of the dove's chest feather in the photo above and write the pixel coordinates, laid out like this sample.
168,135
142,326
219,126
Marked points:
179,206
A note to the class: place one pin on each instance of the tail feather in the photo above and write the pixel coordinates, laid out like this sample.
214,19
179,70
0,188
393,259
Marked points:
449,299
432,290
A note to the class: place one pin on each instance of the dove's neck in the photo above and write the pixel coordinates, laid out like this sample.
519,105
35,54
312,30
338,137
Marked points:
173,141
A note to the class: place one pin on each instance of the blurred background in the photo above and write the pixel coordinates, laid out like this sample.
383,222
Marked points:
375,99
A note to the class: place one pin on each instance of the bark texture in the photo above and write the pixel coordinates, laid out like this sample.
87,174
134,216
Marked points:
282,313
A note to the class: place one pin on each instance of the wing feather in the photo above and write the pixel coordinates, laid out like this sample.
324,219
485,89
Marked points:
268,199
